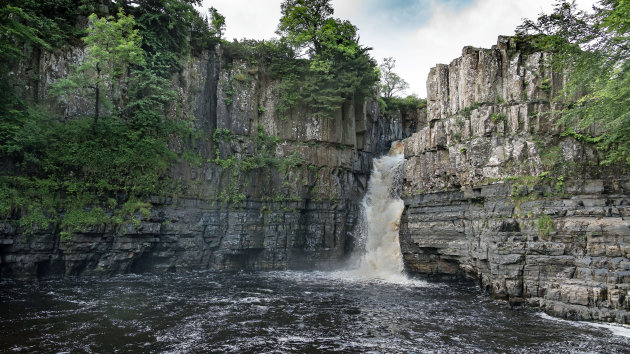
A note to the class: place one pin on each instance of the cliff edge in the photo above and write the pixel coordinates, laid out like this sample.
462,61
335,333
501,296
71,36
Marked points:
494,190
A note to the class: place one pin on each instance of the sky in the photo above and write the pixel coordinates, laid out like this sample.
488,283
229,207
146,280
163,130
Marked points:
418,34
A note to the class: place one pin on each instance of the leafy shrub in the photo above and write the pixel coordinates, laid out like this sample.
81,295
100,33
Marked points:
544,225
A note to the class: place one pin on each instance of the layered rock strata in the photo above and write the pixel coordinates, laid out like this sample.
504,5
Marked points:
261,190
494,191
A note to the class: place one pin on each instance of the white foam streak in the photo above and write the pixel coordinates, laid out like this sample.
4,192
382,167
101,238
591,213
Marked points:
616,328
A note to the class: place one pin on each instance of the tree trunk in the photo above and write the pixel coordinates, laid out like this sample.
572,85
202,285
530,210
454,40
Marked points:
96,110
98,97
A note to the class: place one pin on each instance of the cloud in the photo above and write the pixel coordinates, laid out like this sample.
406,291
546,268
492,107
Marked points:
443,37
246,18
451,26
406,14
417,33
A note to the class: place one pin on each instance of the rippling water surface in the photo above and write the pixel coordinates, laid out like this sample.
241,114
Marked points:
278,312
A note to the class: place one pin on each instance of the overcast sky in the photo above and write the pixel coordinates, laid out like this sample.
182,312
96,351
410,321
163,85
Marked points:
417,33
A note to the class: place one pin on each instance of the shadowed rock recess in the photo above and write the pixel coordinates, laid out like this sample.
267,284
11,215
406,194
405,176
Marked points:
494,191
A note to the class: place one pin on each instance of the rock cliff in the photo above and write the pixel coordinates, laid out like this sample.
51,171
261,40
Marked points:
253,190
494,191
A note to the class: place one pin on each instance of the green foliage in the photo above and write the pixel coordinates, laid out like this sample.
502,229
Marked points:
318,62
217,22
391,83
545,85
303,24
79,220
171,30
242,77
466,112
264,157
551,156
228,89
130,209
112,46
68,166
498,117
545,225
594,50
518,190
111,157
82,172
221,135
71,166
149,97
407,104
338,69
560,186
14,33
53,22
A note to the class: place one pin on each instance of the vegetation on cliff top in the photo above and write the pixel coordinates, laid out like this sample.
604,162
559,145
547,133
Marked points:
392,84
75,171
318,59
594,48
338,67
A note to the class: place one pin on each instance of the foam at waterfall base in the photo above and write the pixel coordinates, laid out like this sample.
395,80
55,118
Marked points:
356,276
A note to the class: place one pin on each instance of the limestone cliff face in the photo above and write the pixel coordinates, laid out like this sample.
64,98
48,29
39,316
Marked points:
261,192
494,191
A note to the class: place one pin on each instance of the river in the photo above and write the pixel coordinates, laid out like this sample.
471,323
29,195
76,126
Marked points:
371,306
276,312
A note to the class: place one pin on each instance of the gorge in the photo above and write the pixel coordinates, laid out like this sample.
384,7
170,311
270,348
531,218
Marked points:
492,190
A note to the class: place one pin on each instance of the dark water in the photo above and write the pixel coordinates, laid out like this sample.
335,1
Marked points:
277,312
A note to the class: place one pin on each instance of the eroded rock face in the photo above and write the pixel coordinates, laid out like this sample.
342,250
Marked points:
191,235
296,208
493,191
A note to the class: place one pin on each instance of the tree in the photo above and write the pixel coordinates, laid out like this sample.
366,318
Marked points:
217,22
594,49
338,69
112,47
166,31
391,83
13,34
302,23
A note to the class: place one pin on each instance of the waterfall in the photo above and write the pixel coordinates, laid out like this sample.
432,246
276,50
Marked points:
382,207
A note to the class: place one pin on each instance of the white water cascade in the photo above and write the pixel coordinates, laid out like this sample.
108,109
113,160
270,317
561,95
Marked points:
382,258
